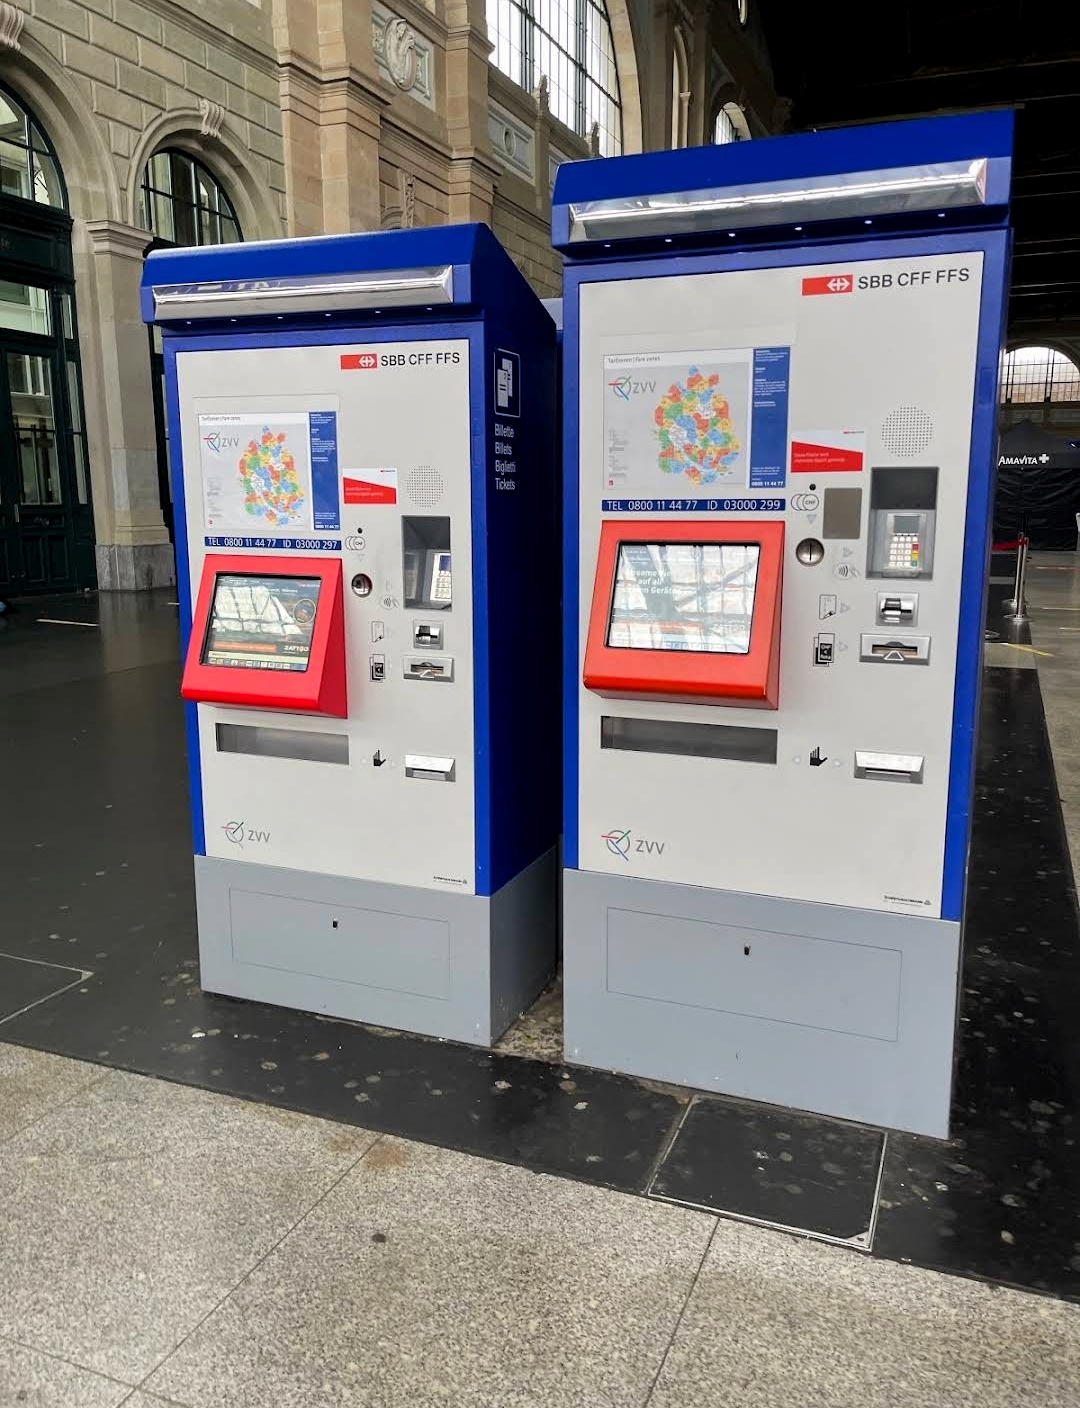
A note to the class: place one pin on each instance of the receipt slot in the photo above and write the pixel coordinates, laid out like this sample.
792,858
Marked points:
780,361
362,435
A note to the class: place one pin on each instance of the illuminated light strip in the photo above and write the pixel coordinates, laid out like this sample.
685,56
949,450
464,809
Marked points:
406,288
950,184
55,621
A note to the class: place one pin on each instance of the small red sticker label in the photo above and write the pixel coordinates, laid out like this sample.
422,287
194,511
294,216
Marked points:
359,361
828,283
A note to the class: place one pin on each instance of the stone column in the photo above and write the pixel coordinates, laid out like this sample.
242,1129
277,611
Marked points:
332,100
699,129
473,174
133,548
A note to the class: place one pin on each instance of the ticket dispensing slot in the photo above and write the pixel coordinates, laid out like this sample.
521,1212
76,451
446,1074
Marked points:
889,767
268,633
687,611
894,649
903,513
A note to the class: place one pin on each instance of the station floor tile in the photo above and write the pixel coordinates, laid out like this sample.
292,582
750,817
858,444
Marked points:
433,1279
776,1166
130,1211
777,1320
34,1082
24,982
31,1379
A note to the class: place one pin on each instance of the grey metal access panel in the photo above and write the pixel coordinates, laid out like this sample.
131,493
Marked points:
844,1011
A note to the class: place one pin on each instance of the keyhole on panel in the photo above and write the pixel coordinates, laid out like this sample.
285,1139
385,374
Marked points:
746,951
333,925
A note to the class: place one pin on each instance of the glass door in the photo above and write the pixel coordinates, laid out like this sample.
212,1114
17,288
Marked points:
46,533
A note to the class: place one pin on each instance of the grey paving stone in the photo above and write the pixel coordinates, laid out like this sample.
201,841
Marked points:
33,1082
131,1211
30,1379
776,1320
429,1278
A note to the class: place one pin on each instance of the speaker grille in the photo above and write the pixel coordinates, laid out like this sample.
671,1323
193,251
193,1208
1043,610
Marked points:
906,431
425,486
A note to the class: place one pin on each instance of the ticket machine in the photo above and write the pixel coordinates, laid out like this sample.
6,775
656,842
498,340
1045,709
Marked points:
780,371
362,435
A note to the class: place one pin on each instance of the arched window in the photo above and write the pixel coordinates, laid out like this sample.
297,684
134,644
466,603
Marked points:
182,203
569,43
730,125
28,168
680,90
1031,375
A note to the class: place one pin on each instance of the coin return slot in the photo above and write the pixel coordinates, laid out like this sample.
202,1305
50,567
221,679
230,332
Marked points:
895,650
429,667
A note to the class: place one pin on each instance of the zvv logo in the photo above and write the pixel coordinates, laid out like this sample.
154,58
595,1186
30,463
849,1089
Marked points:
238,832
621,843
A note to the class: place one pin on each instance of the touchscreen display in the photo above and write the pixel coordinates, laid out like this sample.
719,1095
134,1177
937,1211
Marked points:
261,623
684,596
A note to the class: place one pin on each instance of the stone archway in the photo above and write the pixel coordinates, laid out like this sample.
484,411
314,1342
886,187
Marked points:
34,76
256,208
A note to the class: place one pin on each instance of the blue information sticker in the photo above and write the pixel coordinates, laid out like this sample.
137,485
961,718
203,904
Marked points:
769,417
754,505
277,544
325,492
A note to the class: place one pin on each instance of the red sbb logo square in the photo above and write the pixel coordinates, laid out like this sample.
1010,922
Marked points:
828,283
359,361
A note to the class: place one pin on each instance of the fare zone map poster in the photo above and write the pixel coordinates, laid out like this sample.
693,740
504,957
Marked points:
695,424
677,424
258,472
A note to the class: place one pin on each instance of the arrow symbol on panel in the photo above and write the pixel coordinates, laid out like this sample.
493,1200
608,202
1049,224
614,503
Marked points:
840,284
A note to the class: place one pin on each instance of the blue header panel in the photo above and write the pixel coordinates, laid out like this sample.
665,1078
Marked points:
805,157
481,267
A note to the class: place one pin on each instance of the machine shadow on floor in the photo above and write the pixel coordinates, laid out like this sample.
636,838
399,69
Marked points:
97,882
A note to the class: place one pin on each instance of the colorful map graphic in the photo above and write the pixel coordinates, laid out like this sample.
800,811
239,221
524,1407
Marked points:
696,430
271,484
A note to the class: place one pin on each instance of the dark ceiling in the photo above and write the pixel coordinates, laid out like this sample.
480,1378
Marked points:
850,61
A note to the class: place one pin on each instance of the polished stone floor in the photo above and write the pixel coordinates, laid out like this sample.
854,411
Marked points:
162,1244
98,963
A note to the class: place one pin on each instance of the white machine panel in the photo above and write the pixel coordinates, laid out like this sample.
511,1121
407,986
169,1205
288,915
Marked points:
401,764
879,394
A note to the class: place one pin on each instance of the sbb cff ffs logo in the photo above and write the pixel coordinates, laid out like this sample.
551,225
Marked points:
370,361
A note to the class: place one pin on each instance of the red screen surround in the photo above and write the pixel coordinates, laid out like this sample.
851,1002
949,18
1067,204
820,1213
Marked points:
750,680
320,689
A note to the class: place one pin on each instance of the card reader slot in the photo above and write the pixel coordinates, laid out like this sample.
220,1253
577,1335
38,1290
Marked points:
261,741
690,740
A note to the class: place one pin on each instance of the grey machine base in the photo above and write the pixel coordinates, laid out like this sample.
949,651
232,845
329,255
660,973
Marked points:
456,966
845,1012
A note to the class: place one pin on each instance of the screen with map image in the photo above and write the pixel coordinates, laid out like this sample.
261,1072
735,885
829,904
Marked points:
684,596
261,623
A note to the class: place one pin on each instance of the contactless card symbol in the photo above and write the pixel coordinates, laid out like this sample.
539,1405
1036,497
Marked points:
618,843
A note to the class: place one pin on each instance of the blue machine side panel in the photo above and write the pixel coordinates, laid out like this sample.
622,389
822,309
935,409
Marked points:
977,546
519,492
